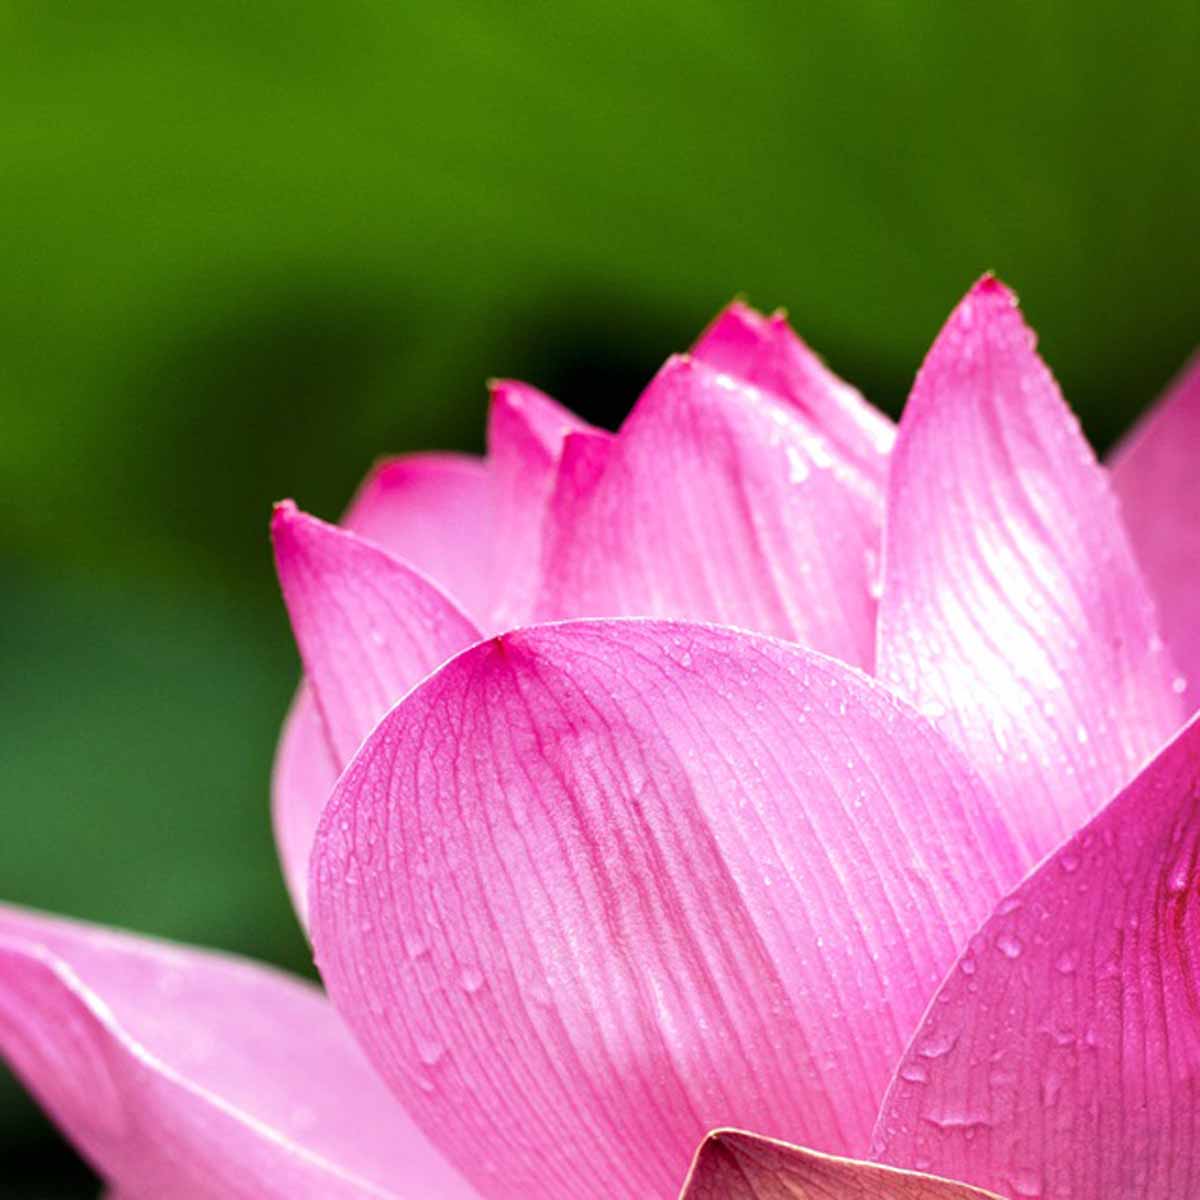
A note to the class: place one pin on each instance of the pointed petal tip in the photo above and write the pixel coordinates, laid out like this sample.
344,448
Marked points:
282,511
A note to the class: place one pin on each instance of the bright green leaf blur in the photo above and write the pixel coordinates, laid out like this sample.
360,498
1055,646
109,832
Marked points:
248,247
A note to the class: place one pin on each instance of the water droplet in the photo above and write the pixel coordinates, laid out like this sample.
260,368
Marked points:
1067,962
937,1044
1009,946
914,1073
415,946
430,1051
470,979
1026,1183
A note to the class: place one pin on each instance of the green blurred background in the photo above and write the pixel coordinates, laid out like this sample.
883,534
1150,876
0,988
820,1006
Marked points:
248,247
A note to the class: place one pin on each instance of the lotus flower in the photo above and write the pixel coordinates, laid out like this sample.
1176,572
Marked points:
761,765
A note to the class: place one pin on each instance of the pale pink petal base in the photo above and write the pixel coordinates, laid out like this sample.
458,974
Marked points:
615,883
732,1165
1012,608
1154,473
190,1075
1062,1055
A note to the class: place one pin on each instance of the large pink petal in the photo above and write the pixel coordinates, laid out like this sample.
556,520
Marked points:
187,1074
732,1165
434,512
1062,1056
526,430
1011,604
764,351
1154,473
717,502
368,626
615,883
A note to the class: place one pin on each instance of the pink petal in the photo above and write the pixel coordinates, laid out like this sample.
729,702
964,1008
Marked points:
1011,600
717,502
1154,476
368,626
186,1074
604,884
304,774
1062,1056
526,430
731,1165
765,352
434,512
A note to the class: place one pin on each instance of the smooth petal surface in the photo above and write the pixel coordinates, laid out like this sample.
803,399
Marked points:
434,512
1154,474
765,352
186,1074
732,1165
716,502
526,430
368,626
616,883
1012,607
1062,1056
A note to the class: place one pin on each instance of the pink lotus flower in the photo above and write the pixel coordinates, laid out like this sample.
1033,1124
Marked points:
860,810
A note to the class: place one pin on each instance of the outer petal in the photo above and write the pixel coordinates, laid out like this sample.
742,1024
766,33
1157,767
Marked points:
604,884
731,1165
765,352
526,430
368,626
717,502
1011,600
1062,1056
185,1074
1154,474
434,512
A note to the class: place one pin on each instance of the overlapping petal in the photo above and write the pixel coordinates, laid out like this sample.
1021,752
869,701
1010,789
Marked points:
368,626
732,1165
615,883
1154,474
434,512
187,1074
526,429
1011,603
1062,1055
716,502
765,352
